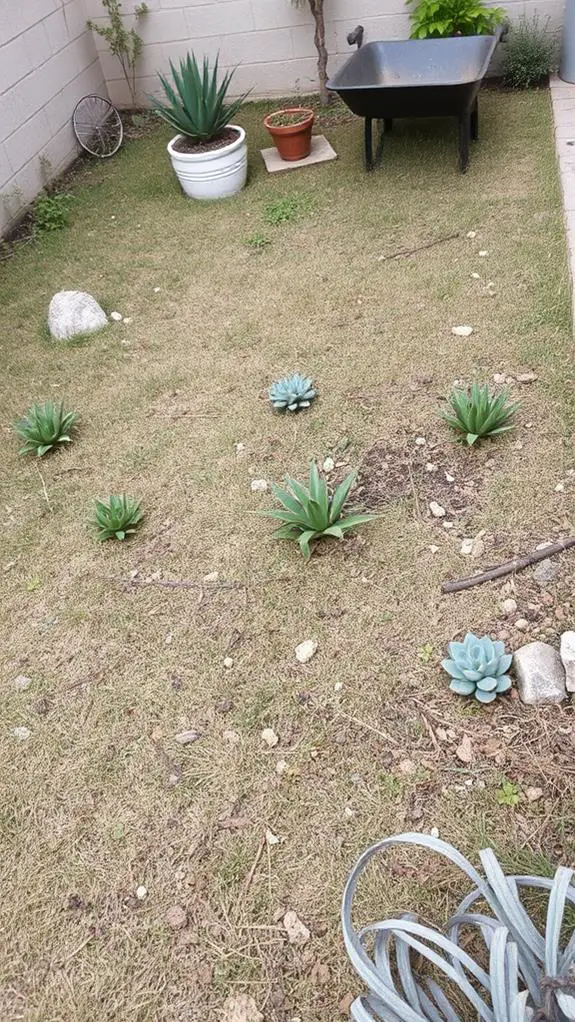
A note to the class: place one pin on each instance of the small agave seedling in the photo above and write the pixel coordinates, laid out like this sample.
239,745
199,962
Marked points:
292,393
476,414
478,667
116,518
44,427
308,514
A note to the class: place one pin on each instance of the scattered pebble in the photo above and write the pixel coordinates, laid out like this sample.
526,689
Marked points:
157,290
447,525
407,766
430,467
187,737
21,683
176,917
483,253
462,331
420,441
522,624
231,737
449,478
526,377
127,320
338,686
434,832
258,485
269,736
348,812
271,838
476,276
546,571
559,488
239,448
281,767
499,377
116,316
471,234
533,794
305,650
141,893
508,607
466,547
464,750
297,932
21,733
434,549
328,465
212,577
228,662
436,509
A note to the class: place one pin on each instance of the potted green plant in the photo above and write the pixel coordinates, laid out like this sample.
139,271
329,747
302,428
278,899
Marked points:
291,131
209,153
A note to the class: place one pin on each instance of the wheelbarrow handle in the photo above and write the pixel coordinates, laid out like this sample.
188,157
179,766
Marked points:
356,37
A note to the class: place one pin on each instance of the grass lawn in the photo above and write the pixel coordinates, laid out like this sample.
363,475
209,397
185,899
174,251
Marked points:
100,798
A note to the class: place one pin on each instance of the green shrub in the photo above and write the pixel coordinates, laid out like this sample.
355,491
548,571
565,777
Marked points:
51,212
196,107
476,414
435,19
124,43
528,54
44,427
309,514
117,517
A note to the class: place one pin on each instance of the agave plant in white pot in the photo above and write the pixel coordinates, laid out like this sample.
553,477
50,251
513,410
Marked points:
209,153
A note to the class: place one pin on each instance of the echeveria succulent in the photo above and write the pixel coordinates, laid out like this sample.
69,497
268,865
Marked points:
292,393
478,667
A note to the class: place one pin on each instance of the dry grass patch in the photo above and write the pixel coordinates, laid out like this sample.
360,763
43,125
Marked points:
100,798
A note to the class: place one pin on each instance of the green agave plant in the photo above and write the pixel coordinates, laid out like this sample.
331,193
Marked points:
44,427
477,413
196,105
478,667
292,393
311,513
117,517
520,974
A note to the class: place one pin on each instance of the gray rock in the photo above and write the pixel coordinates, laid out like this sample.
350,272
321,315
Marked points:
568,658
546,571
74,312
540,674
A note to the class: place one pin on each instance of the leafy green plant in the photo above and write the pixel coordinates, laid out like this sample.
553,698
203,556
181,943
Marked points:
283,211
44,427
124,43
507,794
492,956
311,513
51,212
478,667
477,413
287,118
117,517
435,19
196,107
292,393
528,54
258,241
425,653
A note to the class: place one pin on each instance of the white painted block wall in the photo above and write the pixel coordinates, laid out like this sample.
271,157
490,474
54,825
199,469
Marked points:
48,61
270,40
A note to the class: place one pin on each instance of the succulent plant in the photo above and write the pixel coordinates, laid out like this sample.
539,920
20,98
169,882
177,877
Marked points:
478,667
117,517
196,106
476,414
44,427
292,393
309,514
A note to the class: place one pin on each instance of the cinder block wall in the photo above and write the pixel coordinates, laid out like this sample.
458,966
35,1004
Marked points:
270,40
48,61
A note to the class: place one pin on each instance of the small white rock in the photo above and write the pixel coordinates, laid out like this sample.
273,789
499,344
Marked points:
483,253
436,509
305,650
348,812
462,331
522,624
21,683
449,478
559,488
281,767
338,686
476,276
157,290
116,316
434,832
269,736
271,838
447,525
141,893
534,794
420,441
430,467
471,234
499,377
508,607
127,320
434,549
228,662
212,577
239,448
21,733
328,465
467,547
258,485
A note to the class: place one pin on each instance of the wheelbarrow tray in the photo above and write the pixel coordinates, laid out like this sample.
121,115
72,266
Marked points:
417,78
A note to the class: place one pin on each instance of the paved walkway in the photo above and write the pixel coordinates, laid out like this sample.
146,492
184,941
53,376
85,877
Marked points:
563,100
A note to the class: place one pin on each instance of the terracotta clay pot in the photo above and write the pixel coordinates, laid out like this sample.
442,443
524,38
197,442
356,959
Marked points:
293,141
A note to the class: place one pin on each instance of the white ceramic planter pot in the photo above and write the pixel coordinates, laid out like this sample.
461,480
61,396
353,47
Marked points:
215,174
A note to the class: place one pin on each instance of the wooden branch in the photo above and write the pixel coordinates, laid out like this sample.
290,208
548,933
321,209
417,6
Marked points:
517,564
411,251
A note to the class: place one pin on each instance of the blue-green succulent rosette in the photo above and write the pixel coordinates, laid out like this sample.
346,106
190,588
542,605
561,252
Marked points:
478,667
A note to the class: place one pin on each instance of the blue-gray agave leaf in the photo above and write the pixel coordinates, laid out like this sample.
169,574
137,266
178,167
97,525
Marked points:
292,393
478,667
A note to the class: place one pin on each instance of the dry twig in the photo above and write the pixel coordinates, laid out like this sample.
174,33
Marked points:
517,564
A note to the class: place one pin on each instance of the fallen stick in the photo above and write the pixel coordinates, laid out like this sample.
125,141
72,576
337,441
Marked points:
517,564
411,251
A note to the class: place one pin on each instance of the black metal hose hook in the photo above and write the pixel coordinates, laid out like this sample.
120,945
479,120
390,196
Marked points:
356,37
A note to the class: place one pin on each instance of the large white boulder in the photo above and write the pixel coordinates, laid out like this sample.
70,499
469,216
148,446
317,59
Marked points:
74,312
540,674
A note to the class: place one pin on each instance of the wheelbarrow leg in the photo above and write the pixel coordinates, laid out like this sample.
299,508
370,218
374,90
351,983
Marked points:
371,159
475,122
464,134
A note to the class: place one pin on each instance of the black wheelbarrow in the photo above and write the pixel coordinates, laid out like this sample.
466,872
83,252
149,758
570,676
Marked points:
415,78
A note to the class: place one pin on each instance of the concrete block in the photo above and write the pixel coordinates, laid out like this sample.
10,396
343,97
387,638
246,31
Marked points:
321,151
279,14
225,17
28,141
303,44
257,47
15,63
209,46
164,27
37,45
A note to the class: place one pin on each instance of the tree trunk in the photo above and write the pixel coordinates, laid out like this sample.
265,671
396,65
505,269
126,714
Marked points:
316,7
